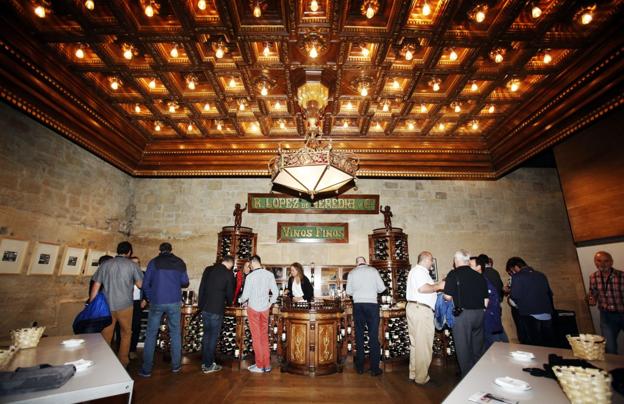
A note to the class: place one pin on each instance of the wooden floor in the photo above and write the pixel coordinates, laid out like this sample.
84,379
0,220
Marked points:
233,386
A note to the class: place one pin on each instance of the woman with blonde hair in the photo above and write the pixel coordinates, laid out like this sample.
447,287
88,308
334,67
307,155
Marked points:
299,286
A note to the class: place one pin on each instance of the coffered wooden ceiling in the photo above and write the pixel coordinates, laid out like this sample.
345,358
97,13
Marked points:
61,70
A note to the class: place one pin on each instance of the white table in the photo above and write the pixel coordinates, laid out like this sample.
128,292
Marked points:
107,377
497,362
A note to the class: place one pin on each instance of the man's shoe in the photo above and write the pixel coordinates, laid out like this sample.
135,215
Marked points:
267,370
359,371
422,383
143,373
211,369
133,355
249,368
376,372
176,370
255,369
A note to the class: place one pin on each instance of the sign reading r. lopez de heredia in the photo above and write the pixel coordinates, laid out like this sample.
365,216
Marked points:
280,203
312,232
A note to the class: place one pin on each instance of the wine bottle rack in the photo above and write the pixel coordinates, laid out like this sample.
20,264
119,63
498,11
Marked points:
386,277
396,338
192,334
443,343
401,283
227,344
239,243
381,249
400,249
226,246
388,252
247,340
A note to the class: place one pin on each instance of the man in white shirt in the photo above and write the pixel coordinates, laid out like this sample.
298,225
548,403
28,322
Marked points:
421,300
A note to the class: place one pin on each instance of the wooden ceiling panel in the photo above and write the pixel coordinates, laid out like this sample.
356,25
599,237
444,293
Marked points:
463,89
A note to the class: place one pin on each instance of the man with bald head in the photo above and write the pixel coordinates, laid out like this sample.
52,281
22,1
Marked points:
606,289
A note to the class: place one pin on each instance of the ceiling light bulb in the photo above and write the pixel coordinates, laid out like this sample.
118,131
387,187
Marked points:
157,126
241,106
474,87
89,4
475,125
480,16
264,91
254,127
220,52
152,84
498,57
172,108
586,17
257,11
547,58
396,84
282,125
40,11
191,84
365,50
436,86
189,128
345,124
219,126
453,55
232,83
370,12
266,51
515,85
409,55
314,6
174,51
378,126
385,107
277,105
127,53
137,108
423,108
364,91
441,126
80,53
426,9
457,108
536,12
149,10
491,109
201,4
313,53
114,84
410,125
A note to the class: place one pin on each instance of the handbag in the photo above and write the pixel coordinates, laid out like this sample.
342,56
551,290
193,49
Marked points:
94,317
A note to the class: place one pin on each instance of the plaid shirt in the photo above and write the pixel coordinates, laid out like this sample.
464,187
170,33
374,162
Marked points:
608,289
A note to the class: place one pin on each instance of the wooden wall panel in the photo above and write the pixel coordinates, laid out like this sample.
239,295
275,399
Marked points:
591,169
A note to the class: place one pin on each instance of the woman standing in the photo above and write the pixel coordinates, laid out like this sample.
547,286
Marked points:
299,286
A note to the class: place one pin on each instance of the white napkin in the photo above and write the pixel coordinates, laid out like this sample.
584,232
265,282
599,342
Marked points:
73,342
512,384
81,364
522,355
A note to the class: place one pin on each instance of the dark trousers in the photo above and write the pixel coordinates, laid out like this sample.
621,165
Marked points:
611,323
520,331
468,337
538,332
136,325
366,314
212,329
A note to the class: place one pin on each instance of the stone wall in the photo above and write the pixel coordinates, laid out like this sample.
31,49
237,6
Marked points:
52,190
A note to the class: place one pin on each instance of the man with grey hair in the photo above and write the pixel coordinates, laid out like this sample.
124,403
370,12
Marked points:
421,300
364,283
468,290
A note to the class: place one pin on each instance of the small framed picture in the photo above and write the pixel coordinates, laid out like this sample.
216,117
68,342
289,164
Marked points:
44,257
93,257
73,259
12,254
433,271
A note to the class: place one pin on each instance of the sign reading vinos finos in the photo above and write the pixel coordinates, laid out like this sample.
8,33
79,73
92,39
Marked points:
312,232
280,203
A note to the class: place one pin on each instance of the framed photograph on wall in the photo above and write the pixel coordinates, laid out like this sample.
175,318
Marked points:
12,254
73,259
433,272
92,261
43,260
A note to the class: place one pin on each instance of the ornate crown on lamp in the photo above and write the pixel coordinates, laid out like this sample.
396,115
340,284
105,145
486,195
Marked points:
316,170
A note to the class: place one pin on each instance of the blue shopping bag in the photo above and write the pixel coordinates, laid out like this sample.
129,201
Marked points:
94,317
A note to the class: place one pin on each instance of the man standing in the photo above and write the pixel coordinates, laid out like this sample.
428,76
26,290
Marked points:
468,290
364,283
215,291
118,276
531,292
164,279
606,288
492,323
421,300
260,292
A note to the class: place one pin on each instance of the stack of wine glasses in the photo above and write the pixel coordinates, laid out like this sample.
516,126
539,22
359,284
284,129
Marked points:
227,340
226,245
192,341
244,248
400,249
381,249
402,282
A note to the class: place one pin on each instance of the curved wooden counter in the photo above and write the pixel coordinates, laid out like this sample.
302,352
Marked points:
312,344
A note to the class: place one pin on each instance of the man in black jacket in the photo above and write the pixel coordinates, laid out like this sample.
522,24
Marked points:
215,291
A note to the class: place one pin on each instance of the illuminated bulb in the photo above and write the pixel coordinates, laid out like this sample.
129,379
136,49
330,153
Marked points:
547,58
254,127
536,12
137,108
345,124
219,126
409,55
80,53
219,53
385,107
149,10
201,4
314,6
586,17
349,105
172,108
491,109
191,84
423,108
266,51
370,12
475,125
89,4
232,82
282,125
40,11
426,9
515,85
474,87
189,128
174,52
378,126
313,53
457,108
365,51
410,125
257,11
114,84
436,86
206,107
277,105
498,57
152,84
479,17
127,53
363,91
396,84
241,106
157,126
441,126
453,55
264,91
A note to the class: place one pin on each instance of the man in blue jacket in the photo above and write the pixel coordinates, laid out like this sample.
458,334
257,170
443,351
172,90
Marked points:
164,278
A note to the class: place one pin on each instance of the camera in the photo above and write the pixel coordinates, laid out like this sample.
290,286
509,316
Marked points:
457,311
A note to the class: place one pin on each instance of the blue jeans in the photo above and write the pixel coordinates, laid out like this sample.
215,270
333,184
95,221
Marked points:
156,311
611,323
366,314
489,339
212,330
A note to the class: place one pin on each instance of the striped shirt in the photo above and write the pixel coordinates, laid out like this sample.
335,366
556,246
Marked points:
608,290
258,284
